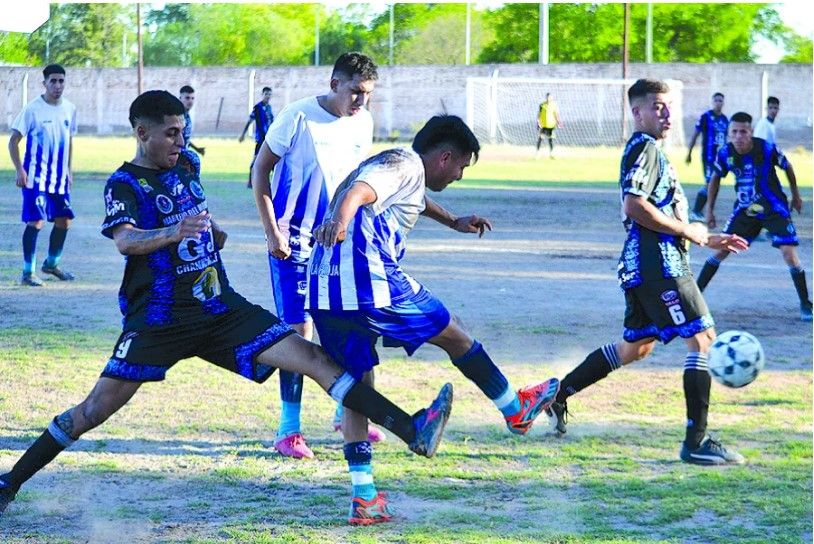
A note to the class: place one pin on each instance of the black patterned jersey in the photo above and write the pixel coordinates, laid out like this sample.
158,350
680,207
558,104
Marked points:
757,186
647,254
179,283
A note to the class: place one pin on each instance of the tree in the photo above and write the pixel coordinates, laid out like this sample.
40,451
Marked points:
14,49
799,49
83,34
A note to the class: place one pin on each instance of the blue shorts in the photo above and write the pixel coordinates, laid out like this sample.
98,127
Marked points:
39,206
289,281
349,336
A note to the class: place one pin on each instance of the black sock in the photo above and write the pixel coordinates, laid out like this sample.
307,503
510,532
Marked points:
539,141
696,393
709,270
551,145
50,443
798,276
363,399
482,371
29,248
55,245
596,366
700,201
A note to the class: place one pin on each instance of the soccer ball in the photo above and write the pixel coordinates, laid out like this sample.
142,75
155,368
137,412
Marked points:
736,358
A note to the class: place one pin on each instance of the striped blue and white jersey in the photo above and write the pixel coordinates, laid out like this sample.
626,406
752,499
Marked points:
317,151
757,186
48,129
713,134
364,270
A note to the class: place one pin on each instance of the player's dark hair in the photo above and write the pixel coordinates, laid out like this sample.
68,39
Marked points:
741,117
643,87
353,63
773,100
186,89
716,95
52,69
152,106
266,89
449,130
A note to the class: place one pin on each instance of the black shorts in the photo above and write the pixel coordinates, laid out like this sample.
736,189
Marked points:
747,222
665,309
230,340
547,132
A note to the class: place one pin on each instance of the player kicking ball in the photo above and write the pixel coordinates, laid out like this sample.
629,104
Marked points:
177,302
358,291
662,299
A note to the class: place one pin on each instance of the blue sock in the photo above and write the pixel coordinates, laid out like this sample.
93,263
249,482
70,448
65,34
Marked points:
291,395
360,457
55,245
29,249
479,368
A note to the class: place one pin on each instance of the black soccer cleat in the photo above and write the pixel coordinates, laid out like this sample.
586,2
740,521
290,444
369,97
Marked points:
558,416
430,422
7,493
62,275
710,452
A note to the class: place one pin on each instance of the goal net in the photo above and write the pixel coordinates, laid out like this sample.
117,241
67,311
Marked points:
594,112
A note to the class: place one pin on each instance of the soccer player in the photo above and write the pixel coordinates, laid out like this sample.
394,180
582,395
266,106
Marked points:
548,119
44,174
177,302
358,291
311,146
262,117
712,128
187,96
765,126
662,300
760,202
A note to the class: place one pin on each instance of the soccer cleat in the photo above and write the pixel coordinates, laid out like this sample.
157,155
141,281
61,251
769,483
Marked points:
364,512
294,446
429,423
696,217
710,452
558,416
31,280
7,493
62,275
374,434
805,311
533,400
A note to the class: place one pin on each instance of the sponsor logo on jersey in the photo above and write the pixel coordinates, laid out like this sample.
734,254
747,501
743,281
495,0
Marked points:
177,190
669,296
196,189
190,249
144,185
207,285
163,203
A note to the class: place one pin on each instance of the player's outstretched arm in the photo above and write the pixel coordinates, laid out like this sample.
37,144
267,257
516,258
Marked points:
643,212
133,241
712,196
333,230
276,242
243,134
728,242
468,224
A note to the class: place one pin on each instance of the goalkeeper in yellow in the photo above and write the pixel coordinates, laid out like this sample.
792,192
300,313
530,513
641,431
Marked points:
548,119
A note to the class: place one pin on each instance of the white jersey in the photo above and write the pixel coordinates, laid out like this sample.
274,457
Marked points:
765,130
364,270
47,129
317,150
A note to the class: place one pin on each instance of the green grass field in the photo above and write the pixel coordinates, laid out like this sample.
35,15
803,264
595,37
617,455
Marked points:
500,166
190,460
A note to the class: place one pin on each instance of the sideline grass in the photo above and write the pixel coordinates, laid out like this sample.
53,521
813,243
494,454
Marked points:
499,166
190,461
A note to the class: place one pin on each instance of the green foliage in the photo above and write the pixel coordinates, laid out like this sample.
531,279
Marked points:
14,49
799,50
84,34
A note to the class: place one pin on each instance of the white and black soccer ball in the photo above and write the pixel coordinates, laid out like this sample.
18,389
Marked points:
736,358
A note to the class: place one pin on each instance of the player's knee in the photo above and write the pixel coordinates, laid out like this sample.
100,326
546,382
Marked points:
36,224
703,341
630,353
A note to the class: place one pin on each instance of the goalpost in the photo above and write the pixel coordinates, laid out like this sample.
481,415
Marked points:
594,112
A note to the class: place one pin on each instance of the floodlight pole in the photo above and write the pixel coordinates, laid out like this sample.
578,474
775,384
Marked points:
649,33
140,70
391,37
468,33
542,34
316,39
625,50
